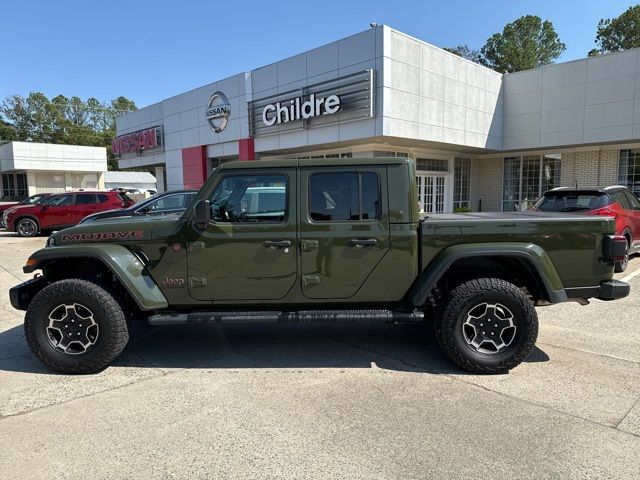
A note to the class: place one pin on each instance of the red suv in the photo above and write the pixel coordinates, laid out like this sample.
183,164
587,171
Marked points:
617,202
61,211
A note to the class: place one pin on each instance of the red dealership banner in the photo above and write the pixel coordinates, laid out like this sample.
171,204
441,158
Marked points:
137,141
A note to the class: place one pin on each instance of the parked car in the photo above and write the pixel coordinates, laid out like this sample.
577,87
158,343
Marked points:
169,202
27,201
61,211
616,201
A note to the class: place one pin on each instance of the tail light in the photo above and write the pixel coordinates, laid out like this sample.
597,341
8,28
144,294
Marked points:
604,211
614,247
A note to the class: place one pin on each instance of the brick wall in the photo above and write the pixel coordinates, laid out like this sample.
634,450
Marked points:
593,168
486,184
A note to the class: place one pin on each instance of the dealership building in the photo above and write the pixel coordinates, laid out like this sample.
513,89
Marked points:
480,139
28,168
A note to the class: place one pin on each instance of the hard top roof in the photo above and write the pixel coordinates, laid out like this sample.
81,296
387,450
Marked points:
313,162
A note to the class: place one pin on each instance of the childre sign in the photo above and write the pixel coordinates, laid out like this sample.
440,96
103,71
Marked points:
298,109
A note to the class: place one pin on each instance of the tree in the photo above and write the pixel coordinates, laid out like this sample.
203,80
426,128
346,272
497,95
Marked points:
523,44
63,120
465,52
617,34
7,131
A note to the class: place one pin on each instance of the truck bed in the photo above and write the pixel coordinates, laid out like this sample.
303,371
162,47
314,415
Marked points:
572,241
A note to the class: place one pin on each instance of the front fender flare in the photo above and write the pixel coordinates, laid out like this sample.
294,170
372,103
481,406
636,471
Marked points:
126,267
533,254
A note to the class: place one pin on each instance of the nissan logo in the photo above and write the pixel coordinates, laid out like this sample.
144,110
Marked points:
218,111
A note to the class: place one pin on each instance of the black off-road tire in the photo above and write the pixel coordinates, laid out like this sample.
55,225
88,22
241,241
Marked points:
107,314
461,301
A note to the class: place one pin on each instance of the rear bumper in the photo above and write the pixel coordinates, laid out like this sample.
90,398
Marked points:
609,290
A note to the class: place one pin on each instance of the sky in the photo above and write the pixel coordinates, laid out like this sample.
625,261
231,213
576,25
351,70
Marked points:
150,50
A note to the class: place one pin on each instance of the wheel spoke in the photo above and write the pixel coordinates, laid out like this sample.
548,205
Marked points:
489,328
72,328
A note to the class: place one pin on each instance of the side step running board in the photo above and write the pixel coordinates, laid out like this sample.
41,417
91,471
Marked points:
302,316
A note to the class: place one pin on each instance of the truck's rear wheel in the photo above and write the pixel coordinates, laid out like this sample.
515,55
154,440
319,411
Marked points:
488,325
75,326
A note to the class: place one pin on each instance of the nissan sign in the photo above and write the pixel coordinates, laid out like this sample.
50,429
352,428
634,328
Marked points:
137,142
218,111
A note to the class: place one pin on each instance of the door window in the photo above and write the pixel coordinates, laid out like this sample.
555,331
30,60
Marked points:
61,201
250,199
86,199
633,200
344,196
622,200
170,202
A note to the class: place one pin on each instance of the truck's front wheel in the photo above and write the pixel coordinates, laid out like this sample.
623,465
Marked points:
75,326
488,325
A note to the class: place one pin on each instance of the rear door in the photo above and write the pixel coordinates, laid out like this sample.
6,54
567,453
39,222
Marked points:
248,249
634,218
344,228
85,204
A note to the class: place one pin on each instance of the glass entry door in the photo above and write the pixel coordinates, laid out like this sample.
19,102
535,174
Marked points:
431,193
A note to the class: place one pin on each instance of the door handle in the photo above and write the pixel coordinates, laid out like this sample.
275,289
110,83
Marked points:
277,243
362,242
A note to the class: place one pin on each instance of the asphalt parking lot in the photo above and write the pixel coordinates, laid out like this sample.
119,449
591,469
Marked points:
325,401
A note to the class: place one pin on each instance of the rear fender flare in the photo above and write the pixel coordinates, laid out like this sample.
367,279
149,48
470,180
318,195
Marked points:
126,267
534,255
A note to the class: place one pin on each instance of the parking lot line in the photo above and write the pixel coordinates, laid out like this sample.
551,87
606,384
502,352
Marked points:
631,275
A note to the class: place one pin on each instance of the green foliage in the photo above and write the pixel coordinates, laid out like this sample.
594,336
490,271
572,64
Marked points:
461,210
62,120
465,52
523,44
617,34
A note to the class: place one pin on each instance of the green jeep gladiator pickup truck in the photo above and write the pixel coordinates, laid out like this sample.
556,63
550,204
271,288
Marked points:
315,240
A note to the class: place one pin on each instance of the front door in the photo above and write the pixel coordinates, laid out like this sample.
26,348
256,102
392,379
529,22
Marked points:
344,228
248,250
57,212
431,193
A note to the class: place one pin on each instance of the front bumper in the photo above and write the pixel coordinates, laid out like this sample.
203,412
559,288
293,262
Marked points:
609,290
21,295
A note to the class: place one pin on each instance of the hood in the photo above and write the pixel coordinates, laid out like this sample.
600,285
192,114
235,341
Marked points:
6,206
118,230
15,207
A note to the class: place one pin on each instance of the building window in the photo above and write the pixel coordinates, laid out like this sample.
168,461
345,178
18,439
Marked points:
526,178
461,183
629,170
432,164
21,181
8,185
388,154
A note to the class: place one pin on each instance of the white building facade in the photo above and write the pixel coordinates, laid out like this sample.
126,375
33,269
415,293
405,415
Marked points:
28,168
481,140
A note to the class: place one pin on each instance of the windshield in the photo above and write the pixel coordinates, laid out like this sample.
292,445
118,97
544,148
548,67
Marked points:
571,201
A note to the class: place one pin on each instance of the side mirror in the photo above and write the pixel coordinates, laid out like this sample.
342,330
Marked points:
202,214
144,210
